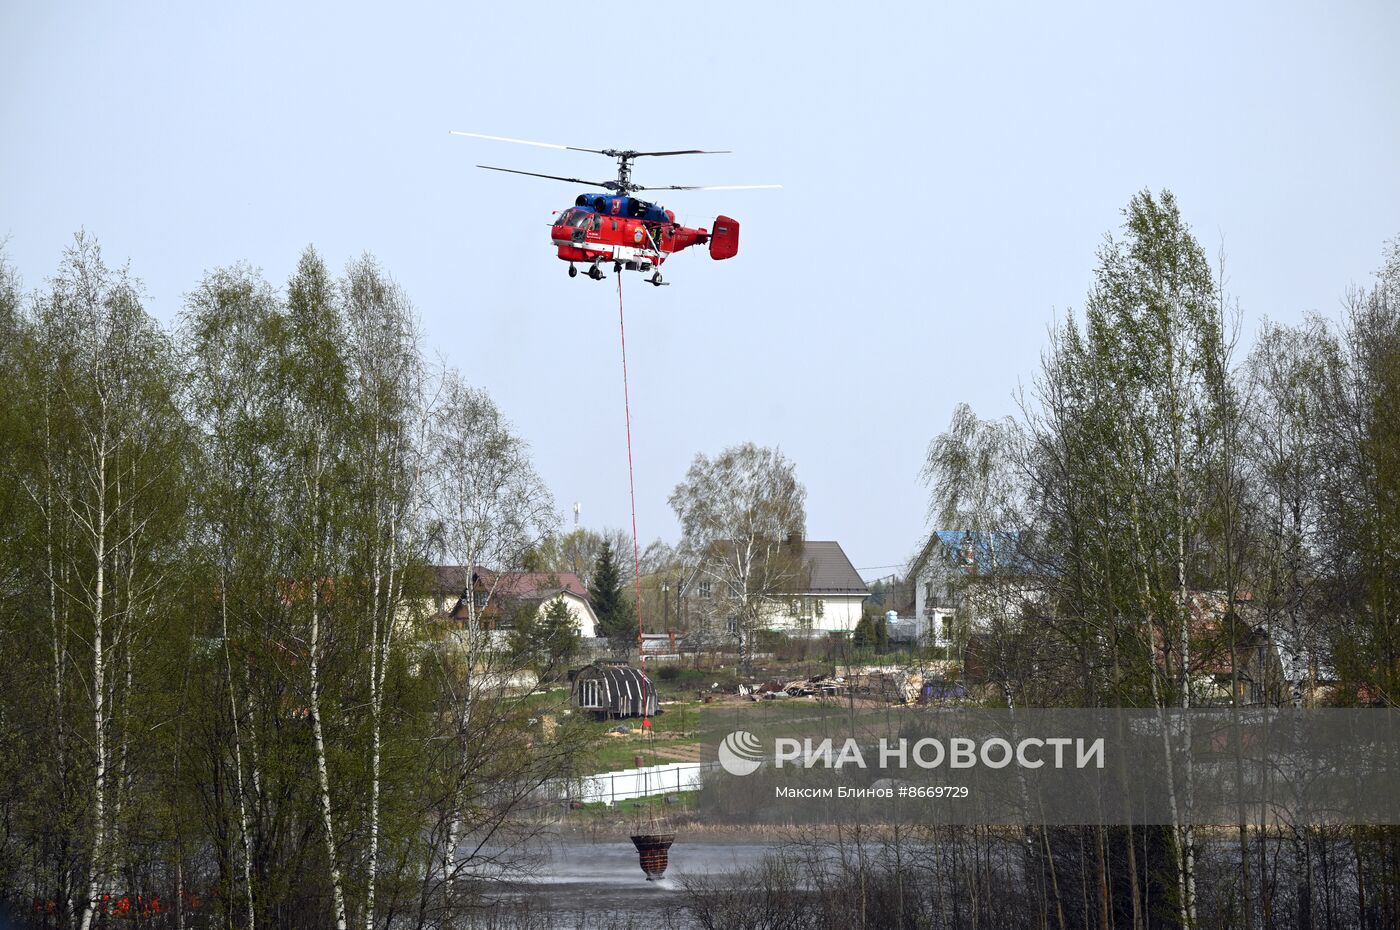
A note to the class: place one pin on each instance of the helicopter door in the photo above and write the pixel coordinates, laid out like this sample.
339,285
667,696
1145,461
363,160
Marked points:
595,227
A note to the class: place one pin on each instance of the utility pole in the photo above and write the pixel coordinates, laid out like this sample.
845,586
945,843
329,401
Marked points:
574,545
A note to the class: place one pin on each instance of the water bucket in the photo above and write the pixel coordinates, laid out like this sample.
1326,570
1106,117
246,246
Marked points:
652,851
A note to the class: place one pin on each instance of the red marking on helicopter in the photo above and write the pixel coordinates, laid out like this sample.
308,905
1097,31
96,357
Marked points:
633,234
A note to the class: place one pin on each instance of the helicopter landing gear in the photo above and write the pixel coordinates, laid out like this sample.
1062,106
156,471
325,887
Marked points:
656,281
596,272
573,272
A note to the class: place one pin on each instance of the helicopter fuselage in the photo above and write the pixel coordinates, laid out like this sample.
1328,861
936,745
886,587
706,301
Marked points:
633,232
582,235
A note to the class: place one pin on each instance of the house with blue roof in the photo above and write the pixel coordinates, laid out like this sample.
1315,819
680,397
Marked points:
945,572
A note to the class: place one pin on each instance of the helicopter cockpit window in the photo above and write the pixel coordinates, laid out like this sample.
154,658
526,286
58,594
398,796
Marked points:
578,219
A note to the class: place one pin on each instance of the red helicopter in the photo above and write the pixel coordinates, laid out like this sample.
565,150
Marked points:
616,227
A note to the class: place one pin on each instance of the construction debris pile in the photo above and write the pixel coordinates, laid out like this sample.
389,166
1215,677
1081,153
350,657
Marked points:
816,686
887,684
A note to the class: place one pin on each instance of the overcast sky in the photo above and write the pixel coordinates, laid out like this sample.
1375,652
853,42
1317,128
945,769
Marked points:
949,170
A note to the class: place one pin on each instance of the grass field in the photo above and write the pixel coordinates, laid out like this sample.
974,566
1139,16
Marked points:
674,738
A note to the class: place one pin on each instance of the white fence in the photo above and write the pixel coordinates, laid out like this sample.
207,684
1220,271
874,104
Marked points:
611,787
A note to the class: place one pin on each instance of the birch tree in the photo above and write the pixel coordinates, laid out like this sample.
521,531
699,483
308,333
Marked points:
315,375
386,398
739,514
489,507
230,323
1153,311
974,471
107,490
13,586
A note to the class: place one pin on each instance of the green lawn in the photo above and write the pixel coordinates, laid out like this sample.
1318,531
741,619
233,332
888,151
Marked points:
686,801
674,736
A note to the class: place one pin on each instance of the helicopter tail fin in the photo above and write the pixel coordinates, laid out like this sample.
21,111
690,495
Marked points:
724,241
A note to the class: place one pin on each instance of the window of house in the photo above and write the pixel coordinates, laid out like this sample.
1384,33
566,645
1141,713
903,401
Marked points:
704,590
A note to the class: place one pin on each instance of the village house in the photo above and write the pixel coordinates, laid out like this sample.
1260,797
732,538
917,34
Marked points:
1268,665
827,597
501,596
978,574
832,596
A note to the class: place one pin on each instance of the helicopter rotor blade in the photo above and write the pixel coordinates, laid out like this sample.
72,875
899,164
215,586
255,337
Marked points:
606,185
713,187
685,152
543,145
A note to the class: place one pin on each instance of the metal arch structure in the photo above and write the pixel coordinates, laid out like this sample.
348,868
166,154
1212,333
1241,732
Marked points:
626,691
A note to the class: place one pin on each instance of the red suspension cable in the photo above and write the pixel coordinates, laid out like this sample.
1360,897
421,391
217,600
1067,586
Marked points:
632,488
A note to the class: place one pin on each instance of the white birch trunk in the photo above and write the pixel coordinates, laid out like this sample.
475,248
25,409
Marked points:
322,773
244,828
99,813
379,653
1160,672
1186,833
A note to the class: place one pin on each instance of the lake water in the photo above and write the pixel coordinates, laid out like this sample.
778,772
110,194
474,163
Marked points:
579,884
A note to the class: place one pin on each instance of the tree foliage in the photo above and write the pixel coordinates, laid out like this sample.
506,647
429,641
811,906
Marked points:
218,667
547,638
742,517
609,591
1169,509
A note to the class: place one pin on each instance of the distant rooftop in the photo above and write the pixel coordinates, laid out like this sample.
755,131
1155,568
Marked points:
452,579
982,553
829,571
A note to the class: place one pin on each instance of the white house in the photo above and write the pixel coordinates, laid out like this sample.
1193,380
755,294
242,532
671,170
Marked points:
946,575
828,597
832,596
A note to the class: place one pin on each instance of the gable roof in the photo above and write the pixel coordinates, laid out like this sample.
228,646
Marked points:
452,579
825,567
828,569
530,585
449,579
976,553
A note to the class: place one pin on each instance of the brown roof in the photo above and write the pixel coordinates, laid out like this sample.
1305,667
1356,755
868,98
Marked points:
452,579
825,568
449,579
527,585
829,571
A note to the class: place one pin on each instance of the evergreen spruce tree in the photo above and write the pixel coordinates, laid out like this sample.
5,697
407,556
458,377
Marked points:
616,620
864,634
